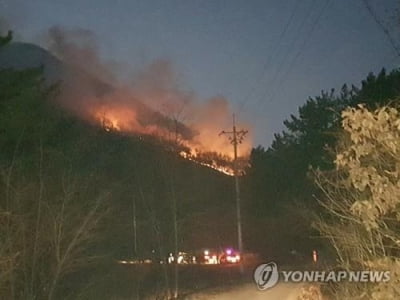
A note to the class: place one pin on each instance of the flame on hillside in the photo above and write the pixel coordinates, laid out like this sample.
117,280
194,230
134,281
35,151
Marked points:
217,154
225,169
151,102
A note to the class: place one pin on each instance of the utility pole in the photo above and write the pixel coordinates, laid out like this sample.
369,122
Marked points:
134,227
236,137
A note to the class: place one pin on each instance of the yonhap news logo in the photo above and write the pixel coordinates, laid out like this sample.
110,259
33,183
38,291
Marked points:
267,276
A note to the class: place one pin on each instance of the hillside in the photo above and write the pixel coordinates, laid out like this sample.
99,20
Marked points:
128,167
78,88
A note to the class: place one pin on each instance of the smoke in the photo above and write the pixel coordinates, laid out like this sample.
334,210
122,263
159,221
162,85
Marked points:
78,49
152,102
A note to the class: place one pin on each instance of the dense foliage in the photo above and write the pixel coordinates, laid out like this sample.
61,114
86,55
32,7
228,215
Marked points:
280,180
361,201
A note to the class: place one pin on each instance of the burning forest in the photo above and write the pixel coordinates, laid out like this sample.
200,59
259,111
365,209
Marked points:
151,103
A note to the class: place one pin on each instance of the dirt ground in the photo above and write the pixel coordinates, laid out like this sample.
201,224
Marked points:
282,291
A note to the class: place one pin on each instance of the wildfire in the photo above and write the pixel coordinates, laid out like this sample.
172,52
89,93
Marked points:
114,118
153,102
213,164
204,148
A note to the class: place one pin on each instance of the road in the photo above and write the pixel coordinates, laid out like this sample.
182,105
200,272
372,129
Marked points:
283,291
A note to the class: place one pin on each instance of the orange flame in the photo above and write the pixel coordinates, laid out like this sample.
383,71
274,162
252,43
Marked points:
206,148
131,107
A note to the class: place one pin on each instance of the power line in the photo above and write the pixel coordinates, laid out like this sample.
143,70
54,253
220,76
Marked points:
269,60
302,47
231,54
236,137
382,26
272,92
280,66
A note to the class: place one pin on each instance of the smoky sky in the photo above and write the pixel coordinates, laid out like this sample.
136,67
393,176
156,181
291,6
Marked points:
265,57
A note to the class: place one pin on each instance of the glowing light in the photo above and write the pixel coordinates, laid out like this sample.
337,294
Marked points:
213,165
205,148
214,260
233,259
315,256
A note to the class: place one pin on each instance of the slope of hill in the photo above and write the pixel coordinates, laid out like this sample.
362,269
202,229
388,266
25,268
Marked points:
77,88
127,165
21,56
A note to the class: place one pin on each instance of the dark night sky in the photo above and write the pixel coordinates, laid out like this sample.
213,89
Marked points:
266,57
